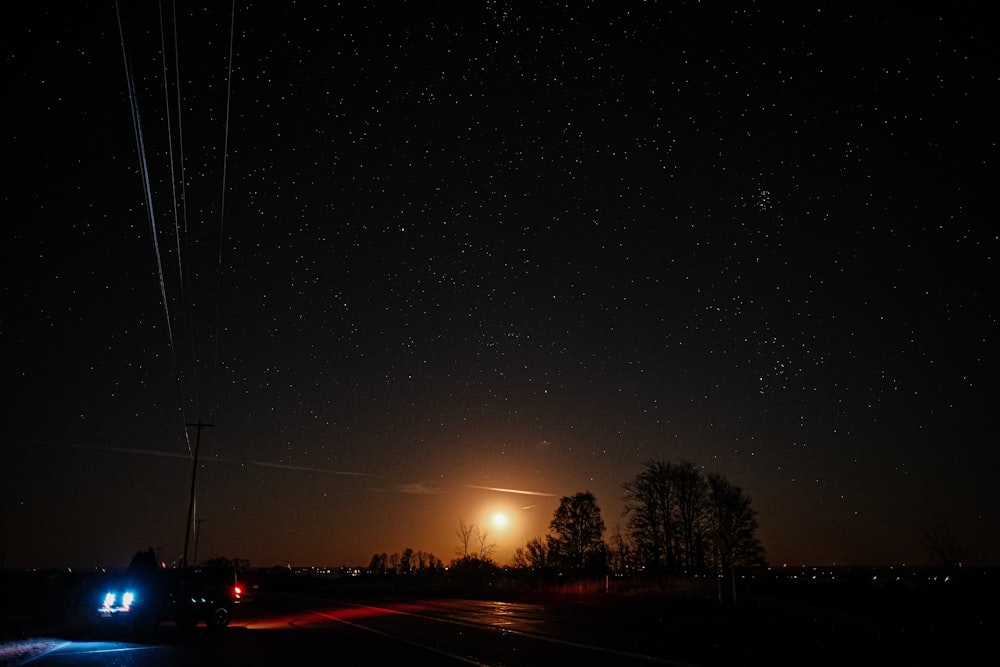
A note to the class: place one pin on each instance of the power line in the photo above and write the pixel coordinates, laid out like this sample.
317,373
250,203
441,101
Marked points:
222,208
148,192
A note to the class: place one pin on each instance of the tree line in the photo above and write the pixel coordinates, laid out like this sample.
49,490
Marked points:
678,520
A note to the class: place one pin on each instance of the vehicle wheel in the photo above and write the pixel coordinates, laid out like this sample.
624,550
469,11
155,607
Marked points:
219,617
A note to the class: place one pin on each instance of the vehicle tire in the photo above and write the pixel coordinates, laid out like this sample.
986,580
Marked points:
220,617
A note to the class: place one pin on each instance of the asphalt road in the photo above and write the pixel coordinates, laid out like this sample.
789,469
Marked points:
305,630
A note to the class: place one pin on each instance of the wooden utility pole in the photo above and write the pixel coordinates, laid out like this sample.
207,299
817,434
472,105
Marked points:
194,476
197,537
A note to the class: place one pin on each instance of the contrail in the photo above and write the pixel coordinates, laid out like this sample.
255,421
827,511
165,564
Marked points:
523,493
219,459
282,466
136,450
421,489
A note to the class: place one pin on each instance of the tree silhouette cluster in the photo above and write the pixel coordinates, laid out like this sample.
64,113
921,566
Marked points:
575,545
679,520
407,562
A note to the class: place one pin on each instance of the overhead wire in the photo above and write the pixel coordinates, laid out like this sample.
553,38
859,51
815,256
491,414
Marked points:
180,122
147,189
180,226
186,286
173,191
154,232
170,142
222,207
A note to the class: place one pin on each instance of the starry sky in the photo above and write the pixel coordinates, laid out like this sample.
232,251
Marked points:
419,262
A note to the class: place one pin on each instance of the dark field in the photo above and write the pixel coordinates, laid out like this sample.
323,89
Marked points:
815,616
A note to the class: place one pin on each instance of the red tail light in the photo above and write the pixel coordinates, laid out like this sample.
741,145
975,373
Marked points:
237,592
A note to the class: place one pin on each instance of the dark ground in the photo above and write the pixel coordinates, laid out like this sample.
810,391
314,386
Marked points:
824,616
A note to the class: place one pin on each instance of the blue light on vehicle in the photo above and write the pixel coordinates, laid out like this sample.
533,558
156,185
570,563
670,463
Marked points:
110,605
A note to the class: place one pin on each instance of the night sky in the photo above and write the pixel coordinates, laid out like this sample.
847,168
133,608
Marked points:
426,261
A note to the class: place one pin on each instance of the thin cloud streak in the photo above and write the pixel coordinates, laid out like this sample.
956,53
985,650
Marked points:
282,466
137,450
219,459
519,491
421,489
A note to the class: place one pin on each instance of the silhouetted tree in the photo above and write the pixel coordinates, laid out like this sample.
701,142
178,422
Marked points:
429,562
379,563
689,490
732,526
649,506
534,555
485,550
473,542
577,540
406,561
472,573
621,552
464,533
942,544
241,564
144,563
678,519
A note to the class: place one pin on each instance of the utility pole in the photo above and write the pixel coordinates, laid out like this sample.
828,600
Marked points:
194,475
197,537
